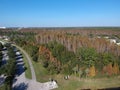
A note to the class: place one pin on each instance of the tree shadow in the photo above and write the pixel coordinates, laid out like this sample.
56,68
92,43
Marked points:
14,80
20,69
19,65
19,57
21,86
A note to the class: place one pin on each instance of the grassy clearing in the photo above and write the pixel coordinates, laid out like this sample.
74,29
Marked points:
75,83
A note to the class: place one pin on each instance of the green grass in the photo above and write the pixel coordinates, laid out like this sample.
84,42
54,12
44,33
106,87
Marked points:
75,83
70,84
28,71
41,72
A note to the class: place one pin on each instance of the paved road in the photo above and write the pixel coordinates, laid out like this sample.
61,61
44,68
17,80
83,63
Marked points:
30,63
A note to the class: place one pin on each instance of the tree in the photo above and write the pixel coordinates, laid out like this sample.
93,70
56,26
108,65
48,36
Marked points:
87,56
107,58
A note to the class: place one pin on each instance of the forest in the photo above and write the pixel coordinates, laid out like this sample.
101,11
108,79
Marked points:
71,51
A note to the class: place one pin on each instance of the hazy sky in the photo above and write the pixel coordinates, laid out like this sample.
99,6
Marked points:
59,13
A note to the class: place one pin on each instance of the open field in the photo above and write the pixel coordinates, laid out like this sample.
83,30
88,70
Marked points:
77,84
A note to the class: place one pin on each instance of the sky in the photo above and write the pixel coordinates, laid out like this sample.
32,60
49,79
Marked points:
59,13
